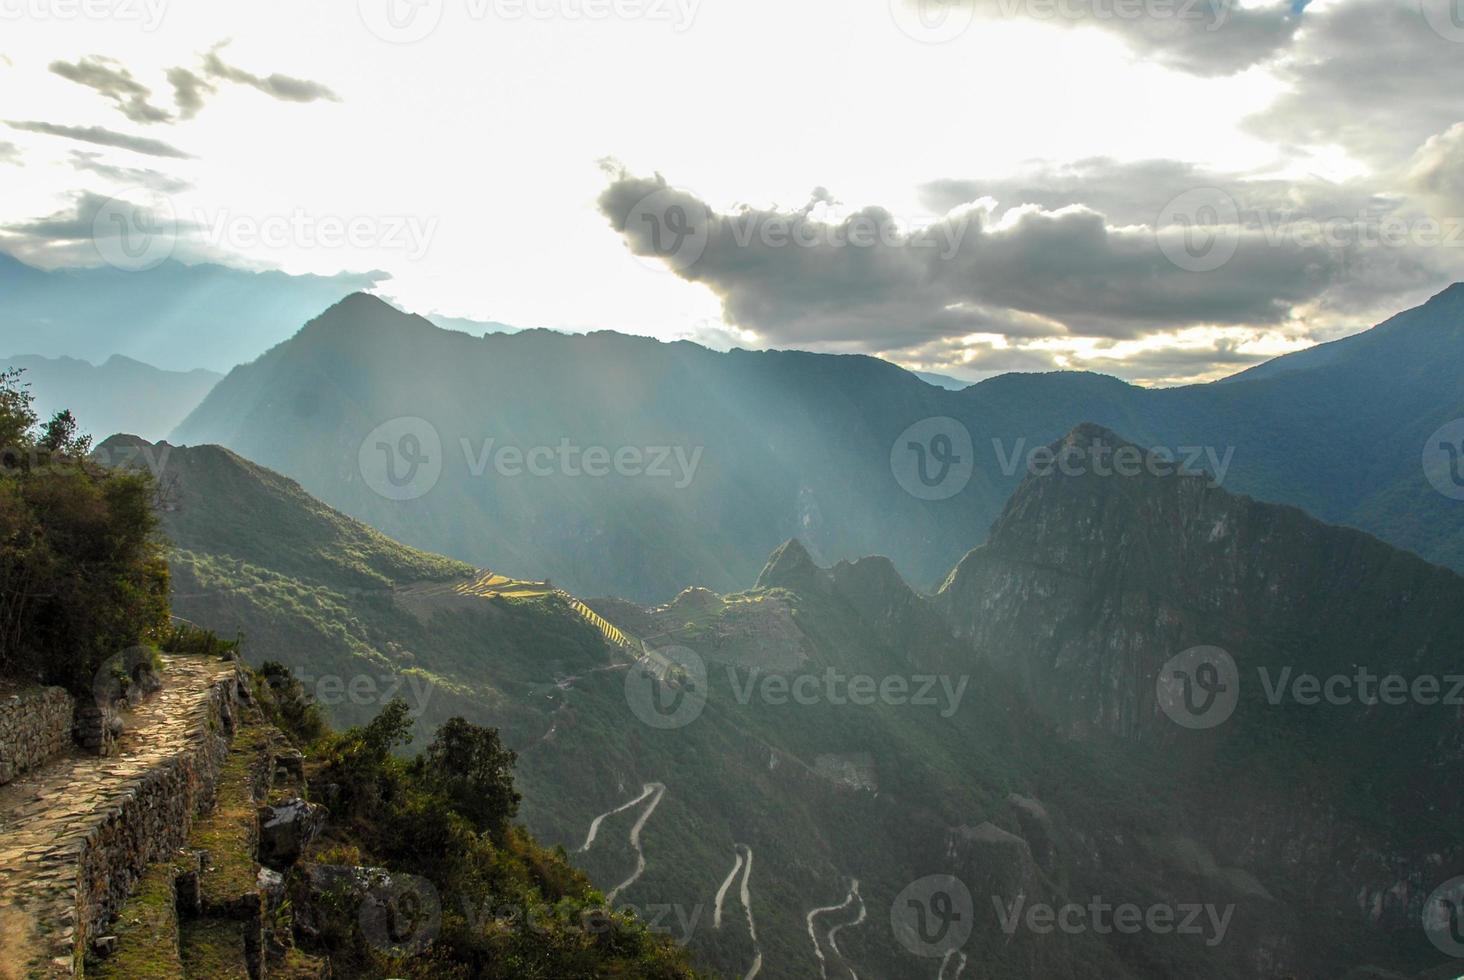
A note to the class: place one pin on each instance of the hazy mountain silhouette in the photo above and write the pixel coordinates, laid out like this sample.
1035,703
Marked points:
119,395
800,444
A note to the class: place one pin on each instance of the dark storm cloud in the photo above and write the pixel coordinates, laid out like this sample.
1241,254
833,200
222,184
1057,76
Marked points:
116,83
1026,273
104,137
152,179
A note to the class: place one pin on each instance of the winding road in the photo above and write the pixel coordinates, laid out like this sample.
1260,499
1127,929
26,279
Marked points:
726,884
659,790
742,863
849,900
646,790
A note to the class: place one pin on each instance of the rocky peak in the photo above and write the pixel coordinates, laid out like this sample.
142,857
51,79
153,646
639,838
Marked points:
792,567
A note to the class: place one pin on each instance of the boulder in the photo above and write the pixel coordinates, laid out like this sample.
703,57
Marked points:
285,830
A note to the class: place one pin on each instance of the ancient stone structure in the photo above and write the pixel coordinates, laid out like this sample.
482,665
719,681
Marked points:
35,725
77,833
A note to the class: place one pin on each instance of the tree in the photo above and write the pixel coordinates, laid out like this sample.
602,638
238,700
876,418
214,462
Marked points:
82,572
60,436
469,765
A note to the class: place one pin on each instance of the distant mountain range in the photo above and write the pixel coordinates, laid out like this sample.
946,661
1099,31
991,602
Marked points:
119,395
1058,776
175,316
727,454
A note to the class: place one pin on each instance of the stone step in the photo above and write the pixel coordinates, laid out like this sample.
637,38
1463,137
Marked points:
223,931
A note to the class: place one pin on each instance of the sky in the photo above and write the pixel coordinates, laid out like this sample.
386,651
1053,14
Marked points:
1163,190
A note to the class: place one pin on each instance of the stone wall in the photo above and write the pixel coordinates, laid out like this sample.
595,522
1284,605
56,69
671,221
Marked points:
35,724
150,816
81,832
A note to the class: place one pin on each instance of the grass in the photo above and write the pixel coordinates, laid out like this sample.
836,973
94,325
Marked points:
213,949
229,833
147,931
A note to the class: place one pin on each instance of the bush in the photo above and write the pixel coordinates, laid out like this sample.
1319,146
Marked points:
82,572
510,908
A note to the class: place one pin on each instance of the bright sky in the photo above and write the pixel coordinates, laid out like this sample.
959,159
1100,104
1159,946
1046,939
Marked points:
470,159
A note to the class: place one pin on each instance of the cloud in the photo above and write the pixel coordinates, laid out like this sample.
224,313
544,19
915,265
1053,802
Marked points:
1134,192
151,179
1376,78
1086,265
9,153
1200,37
72,233
795,277
191,89
116,83
104,137
282,87
188,91
1437,170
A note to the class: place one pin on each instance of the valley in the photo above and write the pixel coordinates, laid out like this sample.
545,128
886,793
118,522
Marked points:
1026,787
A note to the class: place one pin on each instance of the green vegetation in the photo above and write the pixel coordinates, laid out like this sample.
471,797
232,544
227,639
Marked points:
508,907
147,931
82,573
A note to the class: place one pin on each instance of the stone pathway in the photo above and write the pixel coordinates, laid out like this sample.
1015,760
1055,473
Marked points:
47,815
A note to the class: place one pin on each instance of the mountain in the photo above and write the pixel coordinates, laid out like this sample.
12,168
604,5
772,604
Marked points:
119,395
1037,767
1097,585
941,380
729,454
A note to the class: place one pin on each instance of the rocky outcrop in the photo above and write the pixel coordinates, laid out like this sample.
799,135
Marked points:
286,830
1109,568
35,725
